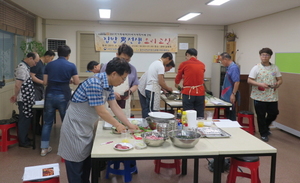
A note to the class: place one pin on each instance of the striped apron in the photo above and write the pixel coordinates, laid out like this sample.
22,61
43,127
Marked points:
77,131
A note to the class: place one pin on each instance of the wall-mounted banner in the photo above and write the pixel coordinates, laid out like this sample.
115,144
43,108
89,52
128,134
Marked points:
140,42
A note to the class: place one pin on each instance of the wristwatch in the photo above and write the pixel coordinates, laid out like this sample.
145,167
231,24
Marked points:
233,93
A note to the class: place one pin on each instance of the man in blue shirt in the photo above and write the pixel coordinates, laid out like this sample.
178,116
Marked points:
230,85
37,75
57,76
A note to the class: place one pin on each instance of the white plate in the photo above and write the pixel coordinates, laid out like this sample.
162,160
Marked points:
162,115
123,144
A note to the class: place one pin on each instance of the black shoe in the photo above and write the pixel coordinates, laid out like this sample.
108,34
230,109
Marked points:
25,146
264,138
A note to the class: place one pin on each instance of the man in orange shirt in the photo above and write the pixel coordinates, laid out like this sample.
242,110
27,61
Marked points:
193,91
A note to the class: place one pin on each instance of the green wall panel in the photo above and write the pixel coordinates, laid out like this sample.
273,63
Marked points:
288,62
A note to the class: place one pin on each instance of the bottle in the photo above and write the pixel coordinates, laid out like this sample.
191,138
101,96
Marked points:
178,116
184,118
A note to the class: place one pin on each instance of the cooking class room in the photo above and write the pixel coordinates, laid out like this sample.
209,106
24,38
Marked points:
147,94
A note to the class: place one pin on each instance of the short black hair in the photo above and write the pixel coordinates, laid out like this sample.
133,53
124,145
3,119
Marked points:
266,50
225,55
126,49
49,53
171,64
63,51
91,65
192,52
166,55
31,54
119,65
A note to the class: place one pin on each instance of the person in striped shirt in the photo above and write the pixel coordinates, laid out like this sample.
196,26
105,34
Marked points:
87,104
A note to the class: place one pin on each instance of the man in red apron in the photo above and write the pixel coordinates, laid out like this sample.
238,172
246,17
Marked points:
193,91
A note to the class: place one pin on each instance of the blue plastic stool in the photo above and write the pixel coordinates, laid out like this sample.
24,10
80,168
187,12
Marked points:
129,168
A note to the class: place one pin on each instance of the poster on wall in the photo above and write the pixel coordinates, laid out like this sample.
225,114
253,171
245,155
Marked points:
140,42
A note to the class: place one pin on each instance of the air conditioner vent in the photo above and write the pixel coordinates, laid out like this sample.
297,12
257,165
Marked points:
53,44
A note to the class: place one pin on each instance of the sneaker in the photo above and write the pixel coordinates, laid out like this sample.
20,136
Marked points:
45,151
264,138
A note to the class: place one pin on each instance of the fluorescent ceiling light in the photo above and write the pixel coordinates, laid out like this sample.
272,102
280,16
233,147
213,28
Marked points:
217,2
188,16
104,13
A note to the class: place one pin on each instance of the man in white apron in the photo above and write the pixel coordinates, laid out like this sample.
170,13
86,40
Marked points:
123,92
151,84
86,105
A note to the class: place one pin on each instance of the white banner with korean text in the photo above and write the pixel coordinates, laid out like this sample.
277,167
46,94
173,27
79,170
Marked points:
140,42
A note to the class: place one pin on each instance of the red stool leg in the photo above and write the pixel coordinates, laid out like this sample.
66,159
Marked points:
3,144
231,177
157,163
177,166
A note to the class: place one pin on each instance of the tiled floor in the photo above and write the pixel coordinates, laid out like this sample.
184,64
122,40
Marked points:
13,161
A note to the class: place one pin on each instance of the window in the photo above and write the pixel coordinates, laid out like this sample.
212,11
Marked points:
10,54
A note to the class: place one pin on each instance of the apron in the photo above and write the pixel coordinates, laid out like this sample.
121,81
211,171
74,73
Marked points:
77,132
121,89
27,92
156,90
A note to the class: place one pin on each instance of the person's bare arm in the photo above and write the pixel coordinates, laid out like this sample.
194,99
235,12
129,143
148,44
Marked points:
45,79
35,79
105,115
18,84
279,82
162,83
120,114
235,89
75,80
253,82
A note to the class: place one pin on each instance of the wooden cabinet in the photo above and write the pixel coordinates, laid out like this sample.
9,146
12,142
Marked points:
231,49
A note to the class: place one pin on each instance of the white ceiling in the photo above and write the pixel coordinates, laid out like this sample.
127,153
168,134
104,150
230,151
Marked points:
161,11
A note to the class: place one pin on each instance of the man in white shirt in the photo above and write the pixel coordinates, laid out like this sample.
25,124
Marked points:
265,79
151,84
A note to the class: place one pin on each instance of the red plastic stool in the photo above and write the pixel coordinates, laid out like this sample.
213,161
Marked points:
249,127
6,138
251,162
51,180
159,164
217,113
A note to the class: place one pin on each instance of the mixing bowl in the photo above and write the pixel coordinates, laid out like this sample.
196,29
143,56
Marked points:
154,139
184,138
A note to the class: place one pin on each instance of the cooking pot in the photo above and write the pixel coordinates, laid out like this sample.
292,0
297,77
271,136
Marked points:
162,122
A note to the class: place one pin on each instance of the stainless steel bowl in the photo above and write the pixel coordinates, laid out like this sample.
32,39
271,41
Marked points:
184,138
153,142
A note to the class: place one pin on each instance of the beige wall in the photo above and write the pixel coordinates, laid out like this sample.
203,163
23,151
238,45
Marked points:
5,106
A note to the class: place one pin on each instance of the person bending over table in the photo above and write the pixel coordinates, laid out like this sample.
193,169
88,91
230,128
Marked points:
86,105
193,91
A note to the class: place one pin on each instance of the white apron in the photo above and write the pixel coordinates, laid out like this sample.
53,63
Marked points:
121,89
156,103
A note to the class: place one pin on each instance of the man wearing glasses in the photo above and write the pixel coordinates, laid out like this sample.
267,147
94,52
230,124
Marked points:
265,79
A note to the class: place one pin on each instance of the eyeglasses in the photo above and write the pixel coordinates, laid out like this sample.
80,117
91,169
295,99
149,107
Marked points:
265,55
123,78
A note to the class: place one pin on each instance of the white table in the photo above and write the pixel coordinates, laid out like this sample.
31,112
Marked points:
106,152
240,143
213,102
